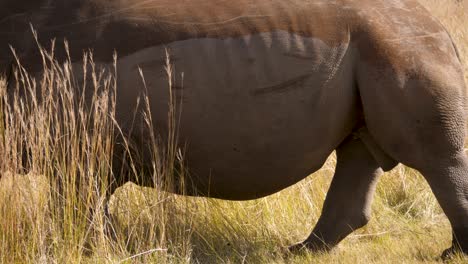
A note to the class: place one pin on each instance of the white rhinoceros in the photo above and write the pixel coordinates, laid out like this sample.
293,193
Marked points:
272,87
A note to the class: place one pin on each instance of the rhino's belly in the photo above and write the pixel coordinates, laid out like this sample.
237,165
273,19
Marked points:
259,113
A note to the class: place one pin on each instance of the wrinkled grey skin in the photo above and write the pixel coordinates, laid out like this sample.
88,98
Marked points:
271,88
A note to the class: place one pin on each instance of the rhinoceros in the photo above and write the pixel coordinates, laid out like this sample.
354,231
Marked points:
271,88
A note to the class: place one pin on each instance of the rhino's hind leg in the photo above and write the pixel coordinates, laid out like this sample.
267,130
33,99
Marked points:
449,182
348,203
417,115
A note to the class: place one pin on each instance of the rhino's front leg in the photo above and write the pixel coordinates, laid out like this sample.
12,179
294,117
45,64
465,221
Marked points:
348,203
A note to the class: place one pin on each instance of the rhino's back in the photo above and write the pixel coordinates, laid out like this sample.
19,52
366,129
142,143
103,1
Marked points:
128,26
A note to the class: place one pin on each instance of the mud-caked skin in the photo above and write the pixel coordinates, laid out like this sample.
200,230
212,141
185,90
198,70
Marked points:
270,88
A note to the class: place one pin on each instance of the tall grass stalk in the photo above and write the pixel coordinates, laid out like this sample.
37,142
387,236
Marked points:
63,140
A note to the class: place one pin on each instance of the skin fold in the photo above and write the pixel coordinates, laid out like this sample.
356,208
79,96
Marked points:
270,88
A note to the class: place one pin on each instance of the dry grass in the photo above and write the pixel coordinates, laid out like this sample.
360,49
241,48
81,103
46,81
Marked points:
40,223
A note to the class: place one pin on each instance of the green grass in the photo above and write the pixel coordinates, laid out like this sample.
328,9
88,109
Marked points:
70,143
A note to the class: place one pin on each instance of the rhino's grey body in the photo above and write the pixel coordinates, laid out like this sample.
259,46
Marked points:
250,105
271,88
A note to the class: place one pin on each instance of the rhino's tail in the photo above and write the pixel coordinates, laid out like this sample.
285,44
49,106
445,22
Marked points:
458,54
457,51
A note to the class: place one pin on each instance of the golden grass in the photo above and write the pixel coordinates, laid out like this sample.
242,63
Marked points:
40,223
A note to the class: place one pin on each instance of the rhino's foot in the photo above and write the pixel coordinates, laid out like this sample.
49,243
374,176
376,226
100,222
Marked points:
449,253
459,244
109,229
310,246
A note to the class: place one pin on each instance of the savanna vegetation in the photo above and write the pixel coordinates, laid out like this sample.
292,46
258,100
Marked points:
45,211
